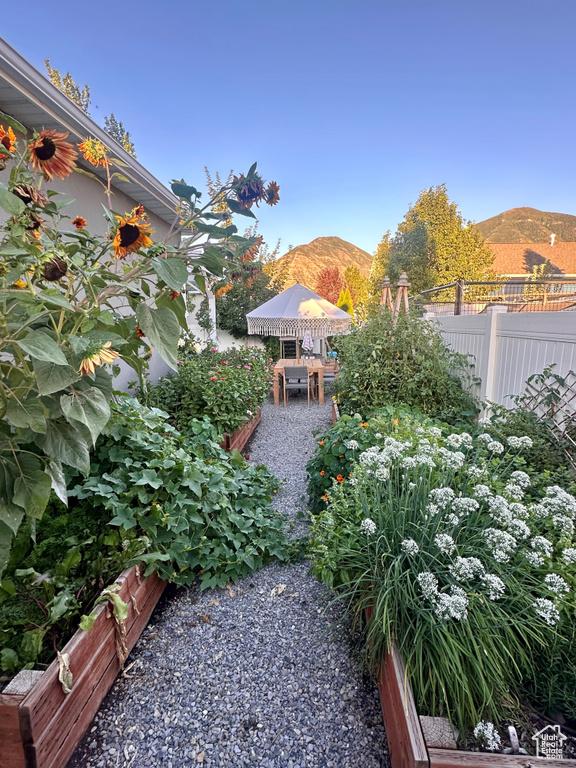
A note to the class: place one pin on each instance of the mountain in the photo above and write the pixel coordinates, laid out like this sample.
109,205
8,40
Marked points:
304,263
528,225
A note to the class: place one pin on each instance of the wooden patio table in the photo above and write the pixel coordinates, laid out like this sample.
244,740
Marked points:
317,367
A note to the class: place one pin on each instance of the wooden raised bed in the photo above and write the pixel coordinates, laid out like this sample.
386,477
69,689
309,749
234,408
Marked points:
406,741
239,438
43,727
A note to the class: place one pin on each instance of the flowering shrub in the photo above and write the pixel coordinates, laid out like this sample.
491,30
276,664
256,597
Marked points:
338,447
469,570
226,387
73,303
407,361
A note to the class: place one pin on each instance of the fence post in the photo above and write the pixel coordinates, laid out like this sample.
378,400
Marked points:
458,297
491,341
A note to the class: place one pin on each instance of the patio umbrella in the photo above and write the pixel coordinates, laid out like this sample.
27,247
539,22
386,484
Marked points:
295,311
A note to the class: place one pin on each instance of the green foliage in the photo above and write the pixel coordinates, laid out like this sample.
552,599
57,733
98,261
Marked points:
435,245
471,637
359,287
225,387
404,361
333,460
205,513
379,267
235,299
116,129
70,304
345,301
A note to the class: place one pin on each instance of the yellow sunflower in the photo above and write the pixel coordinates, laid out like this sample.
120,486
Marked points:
132,235
103,355
94,151
51,155
7,139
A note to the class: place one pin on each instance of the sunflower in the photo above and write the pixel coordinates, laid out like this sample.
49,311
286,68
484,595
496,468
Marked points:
248,190
79,222
7,139
55,269
51,155
132,235
103,355
94,151
29,194
271,195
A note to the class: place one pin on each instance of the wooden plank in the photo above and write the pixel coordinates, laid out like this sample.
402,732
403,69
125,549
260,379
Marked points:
64,732
403,731
12,751
457,758
56,721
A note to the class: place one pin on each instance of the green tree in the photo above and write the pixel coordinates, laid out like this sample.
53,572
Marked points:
69,87
435,245
359,287
115,128
380,265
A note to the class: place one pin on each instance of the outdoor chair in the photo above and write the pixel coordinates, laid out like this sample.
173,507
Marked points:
297,377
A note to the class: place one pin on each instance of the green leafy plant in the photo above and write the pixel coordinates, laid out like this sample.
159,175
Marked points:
468,569
72,303
404,360
226,387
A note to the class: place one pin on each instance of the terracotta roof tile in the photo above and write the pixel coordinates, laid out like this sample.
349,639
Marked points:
520,258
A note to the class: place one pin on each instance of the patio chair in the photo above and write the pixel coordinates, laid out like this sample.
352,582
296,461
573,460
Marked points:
297,377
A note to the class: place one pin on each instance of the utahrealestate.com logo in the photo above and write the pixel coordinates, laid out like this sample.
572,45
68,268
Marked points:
550,742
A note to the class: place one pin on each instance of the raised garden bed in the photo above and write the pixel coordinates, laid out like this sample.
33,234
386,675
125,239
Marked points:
239,438
406,742
40,725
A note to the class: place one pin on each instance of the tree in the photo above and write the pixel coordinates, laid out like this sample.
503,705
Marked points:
345,301
435,245
69,87
116,129
329,284
359,288
380,265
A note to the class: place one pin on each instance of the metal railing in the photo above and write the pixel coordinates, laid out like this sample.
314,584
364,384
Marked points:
473,297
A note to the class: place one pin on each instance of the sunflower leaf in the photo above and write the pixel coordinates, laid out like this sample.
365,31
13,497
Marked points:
89,407
163,330
41,347
184,191
11,204
234,206
174,272
12,122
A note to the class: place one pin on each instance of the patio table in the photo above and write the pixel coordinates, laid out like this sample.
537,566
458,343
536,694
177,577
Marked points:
316,366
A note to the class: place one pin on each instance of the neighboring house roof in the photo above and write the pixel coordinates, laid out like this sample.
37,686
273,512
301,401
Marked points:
32,99
519,259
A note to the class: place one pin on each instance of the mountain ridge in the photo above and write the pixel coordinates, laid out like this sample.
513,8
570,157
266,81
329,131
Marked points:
528,225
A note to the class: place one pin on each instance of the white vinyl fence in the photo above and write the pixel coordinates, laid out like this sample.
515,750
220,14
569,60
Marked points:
508,347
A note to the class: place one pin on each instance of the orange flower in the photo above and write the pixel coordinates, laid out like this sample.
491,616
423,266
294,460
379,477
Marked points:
103,355
80,222
51,155
325,497
139,332
132,235
174,295
321,442
223,290
322,473
271,195
94,151
340,478
7,139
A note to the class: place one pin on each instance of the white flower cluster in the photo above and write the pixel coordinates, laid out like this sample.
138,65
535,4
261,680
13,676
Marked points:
556,583
464,505
456,441
453,460
352,445
542,548
547,610
482,492
445,543
514,491
410,547
495,447
465,568
428,584
569,556
565,524
495,586
368,526
485,437
487,735
519,442
435,432
519,528
520,478
452,606
442,496
476,472
501,543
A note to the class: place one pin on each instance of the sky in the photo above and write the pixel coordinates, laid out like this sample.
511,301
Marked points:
352,106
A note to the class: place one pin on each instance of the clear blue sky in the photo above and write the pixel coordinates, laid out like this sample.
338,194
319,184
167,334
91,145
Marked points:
352,106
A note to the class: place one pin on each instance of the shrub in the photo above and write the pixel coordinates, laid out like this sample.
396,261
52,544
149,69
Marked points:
226,387
407,361
466,567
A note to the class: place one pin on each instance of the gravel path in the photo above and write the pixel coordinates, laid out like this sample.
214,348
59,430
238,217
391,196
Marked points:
269,682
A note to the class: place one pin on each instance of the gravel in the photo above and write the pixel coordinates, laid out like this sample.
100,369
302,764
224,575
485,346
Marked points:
260,674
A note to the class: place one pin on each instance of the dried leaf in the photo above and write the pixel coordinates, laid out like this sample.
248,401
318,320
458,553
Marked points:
230,590
278,590
205,618
214,602
64,675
